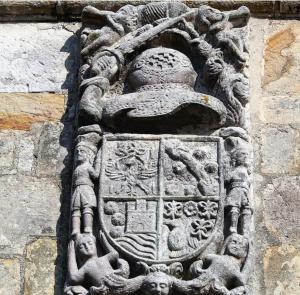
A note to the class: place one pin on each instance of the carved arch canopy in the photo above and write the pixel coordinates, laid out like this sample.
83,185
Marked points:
162,162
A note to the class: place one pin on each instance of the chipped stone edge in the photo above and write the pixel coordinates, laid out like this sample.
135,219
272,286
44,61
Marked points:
70,10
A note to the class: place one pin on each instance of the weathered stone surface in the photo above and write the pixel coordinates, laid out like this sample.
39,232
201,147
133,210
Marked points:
48,148
282,270
282,207
280,109
7,149
25,156
20,110
29,206
280,150
10,276
43,271
37,57
282,59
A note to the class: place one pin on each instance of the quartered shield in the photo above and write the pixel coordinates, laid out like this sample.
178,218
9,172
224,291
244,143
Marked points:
161,196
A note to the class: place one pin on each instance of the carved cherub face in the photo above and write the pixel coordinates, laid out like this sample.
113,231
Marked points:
237,246
86,245
157,283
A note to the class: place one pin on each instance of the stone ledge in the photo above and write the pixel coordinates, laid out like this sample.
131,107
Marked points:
53,10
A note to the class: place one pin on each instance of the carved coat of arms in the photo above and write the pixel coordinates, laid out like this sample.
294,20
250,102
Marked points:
161,197
161,181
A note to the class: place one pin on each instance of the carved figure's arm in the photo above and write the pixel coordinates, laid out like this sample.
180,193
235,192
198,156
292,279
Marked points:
95,171
76,276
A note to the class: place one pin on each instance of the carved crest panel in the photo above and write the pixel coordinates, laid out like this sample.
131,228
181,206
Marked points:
160,200
160,196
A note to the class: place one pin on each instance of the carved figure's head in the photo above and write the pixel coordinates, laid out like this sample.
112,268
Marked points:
237,246
86,245
157,283
127,16
207,16
214,65
84,153
240,157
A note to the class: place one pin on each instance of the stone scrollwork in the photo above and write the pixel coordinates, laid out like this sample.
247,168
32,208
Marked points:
162,164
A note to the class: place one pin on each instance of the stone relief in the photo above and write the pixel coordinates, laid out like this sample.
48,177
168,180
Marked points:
162,163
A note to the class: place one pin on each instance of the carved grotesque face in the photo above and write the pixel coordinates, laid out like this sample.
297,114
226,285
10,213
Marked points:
157,284
214,65
237,246
86,246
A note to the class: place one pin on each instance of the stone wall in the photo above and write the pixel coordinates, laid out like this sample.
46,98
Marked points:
38,88
275,116
38,85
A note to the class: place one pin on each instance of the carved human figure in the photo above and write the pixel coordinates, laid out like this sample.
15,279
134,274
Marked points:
84,198
238,197
219,24
223,274
102,71
93,271
117,24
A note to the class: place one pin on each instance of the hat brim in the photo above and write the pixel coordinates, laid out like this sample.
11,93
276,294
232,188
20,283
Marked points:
155,105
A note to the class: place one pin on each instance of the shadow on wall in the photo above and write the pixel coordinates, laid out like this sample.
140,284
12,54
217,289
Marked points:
71,46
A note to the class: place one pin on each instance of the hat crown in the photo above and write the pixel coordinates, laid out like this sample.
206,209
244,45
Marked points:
161,66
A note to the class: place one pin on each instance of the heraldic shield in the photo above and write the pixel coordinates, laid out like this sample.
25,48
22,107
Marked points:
161,196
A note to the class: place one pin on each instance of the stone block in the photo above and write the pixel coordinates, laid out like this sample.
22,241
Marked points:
281,207
280,109
43,273
37,57
282,59
48,149
7,149
29,206
282,270
25,157
20,110
10,280
280,151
